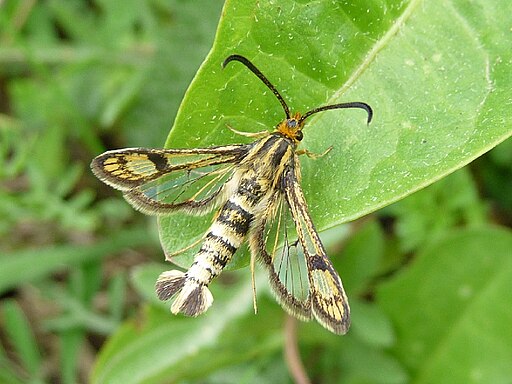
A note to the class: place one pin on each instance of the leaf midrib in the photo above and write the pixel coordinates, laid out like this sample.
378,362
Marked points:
377,47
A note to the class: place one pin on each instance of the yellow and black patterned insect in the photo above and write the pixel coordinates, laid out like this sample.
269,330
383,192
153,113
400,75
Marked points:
255,189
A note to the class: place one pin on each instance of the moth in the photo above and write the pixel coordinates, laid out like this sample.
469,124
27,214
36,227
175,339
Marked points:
256,192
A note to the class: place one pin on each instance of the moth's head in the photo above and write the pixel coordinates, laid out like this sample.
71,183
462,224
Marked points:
292,128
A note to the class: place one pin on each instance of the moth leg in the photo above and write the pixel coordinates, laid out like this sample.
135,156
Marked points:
169,256
254,135
312,155
253,265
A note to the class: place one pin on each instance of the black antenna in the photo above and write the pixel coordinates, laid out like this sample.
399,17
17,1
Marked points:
354,104
257,72
262,77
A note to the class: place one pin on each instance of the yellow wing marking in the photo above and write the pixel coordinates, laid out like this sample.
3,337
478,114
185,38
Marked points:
130,167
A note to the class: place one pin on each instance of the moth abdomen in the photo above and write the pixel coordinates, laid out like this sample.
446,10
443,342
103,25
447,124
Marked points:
224,237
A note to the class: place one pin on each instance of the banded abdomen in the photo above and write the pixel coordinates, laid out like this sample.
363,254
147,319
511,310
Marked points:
256,179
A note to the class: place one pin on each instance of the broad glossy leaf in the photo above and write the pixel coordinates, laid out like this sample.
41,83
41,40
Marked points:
438,75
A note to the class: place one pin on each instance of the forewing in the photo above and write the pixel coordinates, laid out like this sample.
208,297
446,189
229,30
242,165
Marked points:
328,300
159,181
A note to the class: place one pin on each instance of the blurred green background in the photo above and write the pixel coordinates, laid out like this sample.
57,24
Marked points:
429,277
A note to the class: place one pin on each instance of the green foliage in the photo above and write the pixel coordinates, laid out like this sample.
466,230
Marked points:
430,213
454,314
428,277
77,77
22,338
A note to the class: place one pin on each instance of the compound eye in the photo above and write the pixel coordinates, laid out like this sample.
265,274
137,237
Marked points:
299,136
292,123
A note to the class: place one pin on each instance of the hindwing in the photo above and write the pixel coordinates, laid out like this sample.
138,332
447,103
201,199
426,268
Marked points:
301,275
275,242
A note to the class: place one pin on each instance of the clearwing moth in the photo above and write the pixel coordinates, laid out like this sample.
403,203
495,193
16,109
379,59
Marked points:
256,193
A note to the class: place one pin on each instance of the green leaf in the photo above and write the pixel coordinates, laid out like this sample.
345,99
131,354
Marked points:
21,337
370,324
364,364
437,74
70,343
452,309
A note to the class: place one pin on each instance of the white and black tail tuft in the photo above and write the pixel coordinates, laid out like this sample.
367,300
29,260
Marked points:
193,298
